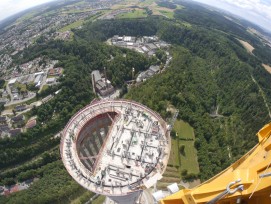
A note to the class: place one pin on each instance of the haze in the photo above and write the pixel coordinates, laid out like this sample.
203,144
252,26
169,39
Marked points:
256,11
11,7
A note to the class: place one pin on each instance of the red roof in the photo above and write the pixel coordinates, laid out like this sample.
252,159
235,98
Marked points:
14,189
31,123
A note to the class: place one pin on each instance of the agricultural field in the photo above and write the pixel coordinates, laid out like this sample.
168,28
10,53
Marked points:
168,14
150,4
71,26
267,68
135,13
247,46
81,22
170,176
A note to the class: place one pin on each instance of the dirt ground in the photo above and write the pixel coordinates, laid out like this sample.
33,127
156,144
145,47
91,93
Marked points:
267,68
246,45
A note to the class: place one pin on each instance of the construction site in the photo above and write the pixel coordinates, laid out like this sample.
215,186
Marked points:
116,148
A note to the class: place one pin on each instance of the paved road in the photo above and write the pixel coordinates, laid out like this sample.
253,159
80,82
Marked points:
43,80
12,102
9,92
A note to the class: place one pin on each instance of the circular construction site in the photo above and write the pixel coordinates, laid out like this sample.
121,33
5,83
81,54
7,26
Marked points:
115,147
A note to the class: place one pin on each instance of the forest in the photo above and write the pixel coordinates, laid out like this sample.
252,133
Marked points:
210,70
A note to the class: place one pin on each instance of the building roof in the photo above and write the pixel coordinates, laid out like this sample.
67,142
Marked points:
39,73
3,118
51,80
15,132
20,107
151,46
101,83
97,75
12,81
116,152
55,71
4,128
51,71
38,78
173,188
154,68
17,118
31,123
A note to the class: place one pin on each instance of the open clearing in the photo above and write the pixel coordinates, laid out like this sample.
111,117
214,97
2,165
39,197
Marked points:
140,5
135,13
186,138
168,14
174,153
76,24
247,46
71,26
267,68
177,161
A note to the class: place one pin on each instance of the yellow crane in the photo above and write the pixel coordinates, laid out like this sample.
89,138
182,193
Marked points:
247,181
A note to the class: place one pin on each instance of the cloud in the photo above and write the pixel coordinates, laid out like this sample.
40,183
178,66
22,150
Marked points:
10,7
256,11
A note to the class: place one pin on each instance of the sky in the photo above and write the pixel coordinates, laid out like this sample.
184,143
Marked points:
256,11
10,7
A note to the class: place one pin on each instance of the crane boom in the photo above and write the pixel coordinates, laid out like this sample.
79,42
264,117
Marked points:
247,181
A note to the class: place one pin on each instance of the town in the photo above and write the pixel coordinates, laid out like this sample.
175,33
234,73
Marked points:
23,87
22,83
148,45
44,26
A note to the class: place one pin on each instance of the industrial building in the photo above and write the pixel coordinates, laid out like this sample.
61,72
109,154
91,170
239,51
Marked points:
143,76
101,85
146,44
116,148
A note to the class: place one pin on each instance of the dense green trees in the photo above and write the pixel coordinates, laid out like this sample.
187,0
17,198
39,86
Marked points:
210,70
54,186
32,150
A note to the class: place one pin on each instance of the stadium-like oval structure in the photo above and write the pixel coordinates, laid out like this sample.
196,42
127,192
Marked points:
116,148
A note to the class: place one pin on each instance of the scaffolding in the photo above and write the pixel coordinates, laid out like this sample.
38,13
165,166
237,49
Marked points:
114,147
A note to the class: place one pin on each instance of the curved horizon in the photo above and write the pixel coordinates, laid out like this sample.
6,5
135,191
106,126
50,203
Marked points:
13,7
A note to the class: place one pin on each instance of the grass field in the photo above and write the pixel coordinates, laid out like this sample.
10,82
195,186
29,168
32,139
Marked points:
80,22
186,137
99,200
168,14
71,26
136,13
147,2
83,195
171,175
180,7
174,153
184,130
44,87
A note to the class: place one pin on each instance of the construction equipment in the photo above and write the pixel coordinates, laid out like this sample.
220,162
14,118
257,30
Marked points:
247,181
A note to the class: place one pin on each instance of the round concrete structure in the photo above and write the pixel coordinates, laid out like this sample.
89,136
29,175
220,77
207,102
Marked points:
116,148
